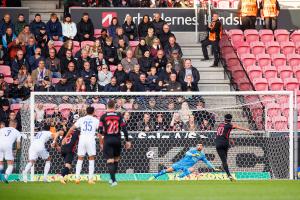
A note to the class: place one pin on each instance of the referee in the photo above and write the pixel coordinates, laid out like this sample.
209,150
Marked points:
111,125
222,141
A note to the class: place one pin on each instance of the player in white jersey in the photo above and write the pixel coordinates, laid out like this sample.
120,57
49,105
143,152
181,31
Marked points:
37,149
8,136
88,127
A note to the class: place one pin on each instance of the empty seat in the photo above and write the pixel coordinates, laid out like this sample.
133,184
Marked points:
242,47
273,109
296,70
15,107
291,84
287,47
58,45
285,109
295,36
128,106
232,59
133,43
263,60
49,108
65,110
281,35
97,33
251,35
5,70
258,47
280,123
234,4
224,4
99,109
266,35
8,80
279,60
275,84
248,59
260,84
254,72
273,47
239,74
293,59
297,47
285,71
244,85
236,35
84,43
270,72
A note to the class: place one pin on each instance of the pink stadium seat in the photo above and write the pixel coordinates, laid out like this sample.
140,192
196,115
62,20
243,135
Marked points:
281,35
49,108
260,84
275,84
295,36
65,110
263,60
285,110
234,4
258,47
273,47
298,123
293,59
291,84
76,43
84,43
273,110
270,72
248,59
133,43
280,123
296,70
5,70
285,71
76,47
297,46
298,97
55,80
254,72
224,4
99,106
8,80
269,123
251,35
239,74
266,35
128,106
287,47
242,47
236,35
278,60
97,33
15,107
58,45
244,85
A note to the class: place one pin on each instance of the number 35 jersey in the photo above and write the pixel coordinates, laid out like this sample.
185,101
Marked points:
88,126
111,124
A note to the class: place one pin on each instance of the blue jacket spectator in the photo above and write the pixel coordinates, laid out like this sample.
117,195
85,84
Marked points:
18,62
5,23
8,37
54,28
112,86
113,27
36,25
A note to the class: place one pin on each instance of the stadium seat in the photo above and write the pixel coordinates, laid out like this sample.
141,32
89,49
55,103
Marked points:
297,47
55,80
291,84
251,35
266,35
296,70
49,108
280,123
224,4
273,48
293,59
97,33
285,72
285,108
80,106
254,72
232,59
128,106
58,45
65,110
275,84
242,47
8,80
278,60
244,85
287,47
298,97
236,35
239,74
273,109
5,70
270,72
295,36
98,106
248,59
263,60
258,47
298,122
84,43
15,107
235,4
260,84
281,35
76,47
269,123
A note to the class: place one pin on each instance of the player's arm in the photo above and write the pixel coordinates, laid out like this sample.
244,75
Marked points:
192,152
69,133
55,136
101,133
124,130
241,128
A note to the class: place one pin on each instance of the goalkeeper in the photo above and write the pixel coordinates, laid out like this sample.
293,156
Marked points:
186,164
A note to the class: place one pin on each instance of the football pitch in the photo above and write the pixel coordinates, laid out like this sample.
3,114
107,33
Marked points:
154,190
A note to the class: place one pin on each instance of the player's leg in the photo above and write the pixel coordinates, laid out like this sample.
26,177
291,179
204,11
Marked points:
186,171
117,147
164,171
222,152
81,153
32,158
1,164
47,168
91,150
9,169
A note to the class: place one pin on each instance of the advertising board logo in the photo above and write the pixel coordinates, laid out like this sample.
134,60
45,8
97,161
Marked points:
107,17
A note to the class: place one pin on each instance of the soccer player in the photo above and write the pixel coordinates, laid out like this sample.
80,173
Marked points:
68,150
186,164
222,141
88,126
37,149
8,136
111,125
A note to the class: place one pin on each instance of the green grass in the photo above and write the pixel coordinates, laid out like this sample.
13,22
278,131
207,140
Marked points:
157,190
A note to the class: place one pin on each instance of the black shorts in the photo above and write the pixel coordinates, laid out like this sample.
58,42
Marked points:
68,157
112,147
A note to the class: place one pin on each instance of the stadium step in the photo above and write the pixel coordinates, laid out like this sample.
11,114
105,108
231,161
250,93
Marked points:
46,14
211,73
214,85
48,4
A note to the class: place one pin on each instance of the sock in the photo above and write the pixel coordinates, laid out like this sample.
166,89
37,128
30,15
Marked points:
111,170
162,172
185,173
8,171
91,169
46,169
27,168
78,168
1,169
225,166
116,164
65,171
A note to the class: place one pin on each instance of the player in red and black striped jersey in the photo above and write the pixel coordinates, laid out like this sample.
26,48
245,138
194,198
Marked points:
111,125
222,141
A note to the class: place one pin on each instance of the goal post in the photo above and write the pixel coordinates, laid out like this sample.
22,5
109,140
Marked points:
170,123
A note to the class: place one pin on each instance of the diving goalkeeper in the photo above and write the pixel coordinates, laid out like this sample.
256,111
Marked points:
186,164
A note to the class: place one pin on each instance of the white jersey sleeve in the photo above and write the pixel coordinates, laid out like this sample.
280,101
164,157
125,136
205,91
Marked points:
9,135
88,125
43,137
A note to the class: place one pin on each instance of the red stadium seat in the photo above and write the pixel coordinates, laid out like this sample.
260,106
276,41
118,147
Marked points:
242,47
236,35
5,70
273,48
273,110
76,47
65,110
251,35
248,59
291,84
260,84
285,110
254,72
84,43
278,60
280,123
244,85
8,80
266,35
99,109
232,59
97,33
287,47
285,72
297,46
293,59
128,106
239,74
270,72
295,36
49,108
263,60
275,84
55,80
281,35
258,47
234,4
298,97
58,45
15,107
296,70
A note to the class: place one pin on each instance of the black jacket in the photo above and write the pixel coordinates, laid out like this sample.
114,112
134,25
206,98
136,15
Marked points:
161,63
64,62
164,38
158,26
146,64
195,74
121,76
143,28
94,88
85,28
110,52
59,87
36,26
141,87
130,30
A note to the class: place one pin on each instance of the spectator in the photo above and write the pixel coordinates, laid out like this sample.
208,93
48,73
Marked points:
134,75
205,126
68,45
14,91
142,85
104,76
14,3
80,85
18,62
151,105
27,88
201,114
69,29
71,75
99,61
140,49
6,23
188,70
42,38
90,3
94,50
112,86
20,24
176,123
144,25
185,112
22,75
84,58
110,52
110,3
87,72
36,25
161,3
2,98
40,73
4,111
160,61
93,86
158,24
3,84
13,47
248,11
112,29
122,48
189,85
165,35
171,46
176,61
24,35
30,47
2,55
269,11
156,46
62,85
150,37
120,75
127,87
85,28
152,79
160,124
34,60
8,37
120,35
146,125
173,85
54,28
64,61
15,116
53,64
129,62
44,85
129,28
191,124
146,62
103,36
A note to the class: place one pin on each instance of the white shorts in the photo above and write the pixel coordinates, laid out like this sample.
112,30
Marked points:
36,152
6,153
86,145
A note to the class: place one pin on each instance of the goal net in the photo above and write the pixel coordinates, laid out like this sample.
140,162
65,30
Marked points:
168,124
